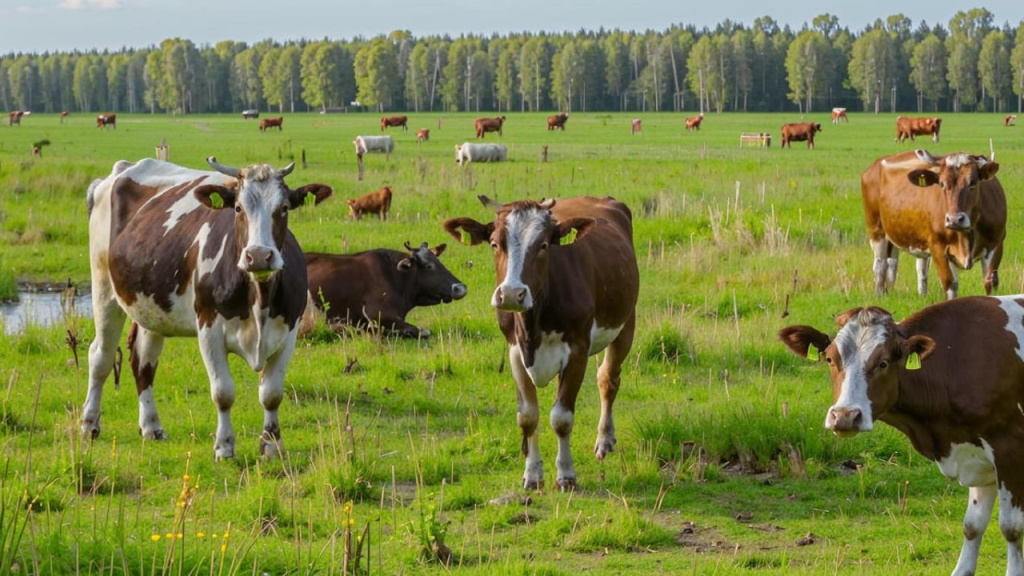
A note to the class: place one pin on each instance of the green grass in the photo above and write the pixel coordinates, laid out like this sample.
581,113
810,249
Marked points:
716,420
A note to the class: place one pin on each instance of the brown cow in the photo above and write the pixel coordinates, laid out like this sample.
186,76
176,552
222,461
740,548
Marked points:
949,378
558,121
402,121
910,127
14,118
951,209
422,135
63,115
378,203
268,123
379,287
567,289
485,125
839,114
1009,120
634,126
104,120
798,132
693,123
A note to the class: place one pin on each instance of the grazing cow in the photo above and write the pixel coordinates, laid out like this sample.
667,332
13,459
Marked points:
910,127
14,118
104,120
951,209
558,121
949,378
268,123
567,289
485,125
185,252
798,132
839,114
378,203
422,135
250,113
693,123
473,152
367,144
379,287
386,121
634,126
1009,120
63,115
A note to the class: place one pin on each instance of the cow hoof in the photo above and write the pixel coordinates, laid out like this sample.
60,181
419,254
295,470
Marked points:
225,450
271,449
424,333
533,483
155,434
90,432
603,447
567,484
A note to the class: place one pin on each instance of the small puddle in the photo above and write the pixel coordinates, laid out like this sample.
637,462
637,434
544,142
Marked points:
43,305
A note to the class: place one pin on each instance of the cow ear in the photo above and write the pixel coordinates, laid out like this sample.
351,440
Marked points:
404,264
843,318
923,178
917,344
309,194
469,231
215,196
571,230
805,341
439,249
988,170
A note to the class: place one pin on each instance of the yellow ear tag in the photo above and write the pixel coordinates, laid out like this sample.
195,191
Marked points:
913,361
812,354
466,239
921,181
216,201
568,238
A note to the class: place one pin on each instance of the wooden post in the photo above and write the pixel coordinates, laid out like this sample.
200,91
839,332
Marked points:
359,162
544,154
303,158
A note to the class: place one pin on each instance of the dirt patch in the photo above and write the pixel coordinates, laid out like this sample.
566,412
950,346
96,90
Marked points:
703,540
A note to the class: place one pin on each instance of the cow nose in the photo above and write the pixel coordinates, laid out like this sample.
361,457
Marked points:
258,258
459,290
845,421
514,298
958,221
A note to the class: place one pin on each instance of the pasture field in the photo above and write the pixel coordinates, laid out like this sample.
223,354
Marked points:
404,454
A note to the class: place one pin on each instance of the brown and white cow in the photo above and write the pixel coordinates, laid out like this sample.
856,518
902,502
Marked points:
911,127
422,135
485,125
839,114
185,252
949,378
1009,120
693,122
635,126
14,118
799,132
402,121
267,123
567,288
558,121
104,120
951,209
379,287
378,202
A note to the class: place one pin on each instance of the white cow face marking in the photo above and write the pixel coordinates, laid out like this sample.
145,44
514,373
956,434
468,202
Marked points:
261,219
863,362
520,243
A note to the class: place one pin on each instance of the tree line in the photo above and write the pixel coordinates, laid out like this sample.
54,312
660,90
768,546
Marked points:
891,65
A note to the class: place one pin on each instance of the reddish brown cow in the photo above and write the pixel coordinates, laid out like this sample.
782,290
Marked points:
422,135
1009,120
558,121
268,123
567,289
949,378
104,120
839,114
485,125
910,127
378,203
402,121
951,209
693,123
14,118
798,132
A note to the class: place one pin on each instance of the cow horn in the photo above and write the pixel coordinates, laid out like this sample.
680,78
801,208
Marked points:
926,157
408,246
487,202
287,169
547,203
225,170
992,151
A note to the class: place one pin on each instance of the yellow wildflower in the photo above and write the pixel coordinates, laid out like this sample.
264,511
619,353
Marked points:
155,537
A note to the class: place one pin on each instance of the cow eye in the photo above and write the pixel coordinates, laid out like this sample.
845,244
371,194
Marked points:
238,209
543,245
494,245
430,266
883,365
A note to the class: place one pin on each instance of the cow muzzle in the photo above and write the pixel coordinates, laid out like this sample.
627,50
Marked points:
260,261
512,298
960,221
846,422
459,291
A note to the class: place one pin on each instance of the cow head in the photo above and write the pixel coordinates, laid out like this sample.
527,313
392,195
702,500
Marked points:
433,282
521,237
458,154
261,202
865,361
960,177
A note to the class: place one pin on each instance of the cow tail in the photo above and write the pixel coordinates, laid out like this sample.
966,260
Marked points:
90,195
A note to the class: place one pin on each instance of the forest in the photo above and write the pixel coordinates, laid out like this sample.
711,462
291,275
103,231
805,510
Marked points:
970,64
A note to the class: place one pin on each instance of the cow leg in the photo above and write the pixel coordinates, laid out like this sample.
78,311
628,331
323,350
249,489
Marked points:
1011,523
892,264
109,321
563,416
271,394
880,248
990,266
945,272
922,275
608,381
222,388
144,349
528,416
980,501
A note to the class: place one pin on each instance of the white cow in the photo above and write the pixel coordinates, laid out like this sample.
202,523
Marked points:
366,144
477,152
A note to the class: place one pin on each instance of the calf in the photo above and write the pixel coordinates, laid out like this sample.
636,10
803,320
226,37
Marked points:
402,121
693,123
473,152
910,127
104,120
558,121
485,125
378,203
422,135
798,132
267,123
379,287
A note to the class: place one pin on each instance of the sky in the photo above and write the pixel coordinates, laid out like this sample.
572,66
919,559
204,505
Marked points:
64,25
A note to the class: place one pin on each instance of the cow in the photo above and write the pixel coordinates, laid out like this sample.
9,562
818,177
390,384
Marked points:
485,125
63,115
798,132
951,209
267,123
366,144
422,135
250,113
839,114
693,123
14,118
567,288
948,378
378,203
104,120
386,121
910,127
558,121
1009,120
634,126
185,252
378,288
475,152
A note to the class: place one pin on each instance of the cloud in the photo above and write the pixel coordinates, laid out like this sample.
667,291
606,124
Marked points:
90,4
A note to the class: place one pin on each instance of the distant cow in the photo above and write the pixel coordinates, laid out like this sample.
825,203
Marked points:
693,123
1009,120
558,121
14,118
63,115
379,287
473,152
839,114
422,135
798,132
250,113
634,126
386,121
104,120
951,209
367,144
378,203
485,125
185,252
268,123
910,127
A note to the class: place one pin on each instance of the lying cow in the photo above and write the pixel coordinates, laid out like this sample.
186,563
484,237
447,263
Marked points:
379,287
839,114
473,152
378,203
558,121
267,123
799,132
485,125
402,121
250,113
693,123
910,127
374,144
